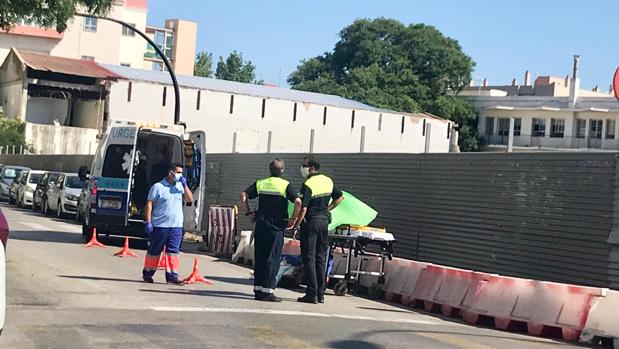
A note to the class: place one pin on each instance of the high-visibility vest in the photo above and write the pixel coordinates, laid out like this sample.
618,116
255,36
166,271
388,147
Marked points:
320,185
272,186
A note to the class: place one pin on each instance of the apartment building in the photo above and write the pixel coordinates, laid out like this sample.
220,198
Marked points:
107,42
552,113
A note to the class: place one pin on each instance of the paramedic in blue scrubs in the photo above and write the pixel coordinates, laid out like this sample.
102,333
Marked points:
164,224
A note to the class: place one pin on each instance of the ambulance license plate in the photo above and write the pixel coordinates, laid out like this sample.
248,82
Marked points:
107,203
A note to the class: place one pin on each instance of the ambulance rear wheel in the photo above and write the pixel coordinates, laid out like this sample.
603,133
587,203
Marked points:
340,288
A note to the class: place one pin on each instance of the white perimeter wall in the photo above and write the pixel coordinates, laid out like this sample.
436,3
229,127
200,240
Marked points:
252,130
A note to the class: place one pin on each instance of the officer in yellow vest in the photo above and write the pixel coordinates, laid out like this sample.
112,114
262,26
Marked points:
319,196
271,220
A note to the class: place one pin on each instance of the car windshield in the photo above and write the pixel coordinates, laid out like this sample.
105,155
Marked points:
74,182
35,178
10,173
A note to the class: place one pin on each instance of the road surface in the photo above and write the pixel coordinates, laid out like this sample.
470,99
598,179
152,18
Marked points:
62,295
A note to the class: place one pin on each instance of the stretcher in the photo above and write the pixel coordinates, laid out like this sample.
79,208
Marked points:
353,242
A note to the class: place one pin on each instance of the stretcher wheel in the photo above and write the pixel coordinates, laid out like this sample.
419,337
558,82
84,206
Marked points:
340,288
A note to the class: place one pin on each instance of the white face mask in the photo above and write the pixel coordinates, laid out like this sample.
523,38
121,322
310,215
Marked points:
177,176
304,171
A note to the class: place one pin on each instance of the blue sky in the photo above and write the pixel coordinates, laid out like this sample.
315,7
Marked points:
504,38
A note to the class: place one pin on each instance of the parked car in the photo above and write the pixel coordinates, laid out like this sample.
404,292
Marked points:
62,197
14,188
25,191
4,236
7,176
48,180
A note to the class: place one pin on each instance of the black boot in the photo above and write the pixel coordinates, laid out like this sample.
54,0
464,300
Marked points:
307,299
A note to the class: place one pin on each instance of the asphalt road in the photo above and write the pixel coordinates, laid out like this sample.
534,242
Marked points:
62,295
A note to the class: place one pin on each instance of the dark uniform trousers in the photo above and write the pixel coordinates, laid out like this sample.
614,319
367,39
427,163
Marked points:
269,242
314,248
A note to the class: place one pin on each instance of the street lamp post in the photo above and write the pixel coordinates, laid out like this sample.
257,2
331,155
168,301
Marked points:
166,61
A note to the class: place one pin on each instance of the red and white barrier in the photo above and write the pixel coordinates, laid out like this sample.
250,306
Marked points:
603,319
222,229
546,308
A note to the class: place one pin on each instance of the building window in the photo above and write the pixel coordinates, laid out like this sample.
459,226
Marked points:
352,120
610,129
90,24
125,64
423,127
165,95
169,44
264,105
294,113
517,126
198,100
129,90
557,128
489,126
129,31
157,66
581,128
88,58
324,116
231,104
595,129
503,127
539,127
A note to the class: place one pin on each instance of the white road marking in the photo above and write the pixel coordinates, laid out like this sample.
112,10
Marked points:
289,313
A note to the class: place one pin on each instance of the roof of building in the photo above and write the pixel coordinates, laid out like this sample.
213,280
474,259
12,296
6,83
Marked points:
600,104
234,87
67,66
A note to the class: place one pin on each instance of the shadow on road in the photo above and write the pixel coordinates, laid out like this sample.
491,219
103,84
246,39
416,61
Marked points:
208,293
523,339
47,236
97,278
354,344
231,280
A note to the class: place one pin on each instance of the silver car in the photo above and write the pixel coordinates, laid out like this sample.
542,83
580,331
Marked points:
62,197
25,191
7,176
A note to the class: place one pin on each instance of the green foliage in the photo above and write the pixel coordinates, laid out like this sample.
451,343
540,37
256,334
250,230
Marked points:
234,68
387,64
204,65
12,132
463,113
48,13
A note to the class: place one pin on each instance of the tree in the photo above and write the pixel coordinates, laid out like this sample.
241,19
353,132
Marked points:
463,113
204,65
50,13
234,68
12,132
387,64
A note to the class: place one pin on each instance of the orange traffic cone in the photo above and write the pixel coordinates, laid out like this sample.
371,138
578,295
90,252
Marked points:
93,240
125,251
195,275
163,261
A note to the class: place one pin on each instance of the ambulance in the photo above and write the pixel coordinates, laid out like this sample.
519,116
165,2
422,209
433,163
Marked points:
130,158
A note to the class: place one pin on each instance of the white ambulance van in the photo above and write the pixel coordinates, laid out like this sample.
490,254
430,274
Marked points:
130,158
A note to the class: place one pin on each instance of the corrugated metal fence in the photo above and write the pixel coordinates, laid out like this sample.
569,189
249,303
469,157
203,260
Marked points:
535,215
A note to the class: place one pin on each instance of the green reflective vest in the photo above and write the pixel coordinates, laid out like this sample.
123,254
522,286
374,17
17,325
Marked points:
272,186
320,185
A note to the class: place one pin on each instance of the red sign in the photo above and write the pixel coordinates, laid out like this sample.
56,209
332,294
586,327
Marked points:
616,84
